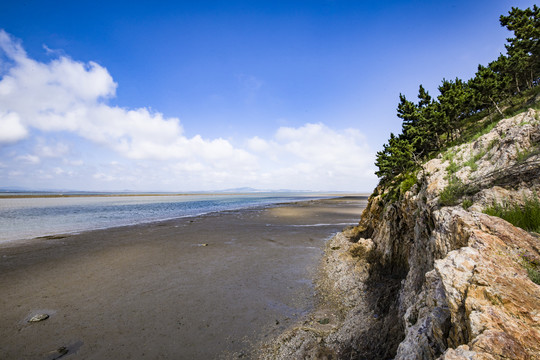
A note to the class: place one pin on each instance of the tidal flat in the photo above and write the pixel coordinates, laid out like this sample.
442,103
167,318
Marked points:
204,287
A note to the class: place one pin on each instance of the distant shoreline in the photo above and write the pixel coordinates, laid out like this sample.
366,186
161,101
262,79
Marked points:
36,196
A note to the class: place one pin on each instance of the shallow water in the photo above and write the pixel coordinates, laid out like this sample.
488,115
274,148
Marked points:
24,218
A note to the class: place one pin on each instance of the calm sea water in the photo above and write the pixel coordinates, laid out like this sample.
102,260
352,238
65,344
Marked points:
24,218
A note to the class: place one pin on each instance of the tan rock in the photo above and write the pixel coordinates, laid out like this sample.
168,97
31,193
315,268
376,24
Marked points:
419,281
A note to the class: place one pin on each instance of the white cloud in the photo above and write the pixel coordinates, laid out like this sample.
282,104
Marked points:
104,177
52,150
60,171
32,159
316,157
65,96
11,128
258,145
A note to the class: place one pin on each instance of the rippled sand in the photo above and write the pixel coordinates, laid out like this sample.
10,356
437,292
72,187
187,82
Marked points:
193,288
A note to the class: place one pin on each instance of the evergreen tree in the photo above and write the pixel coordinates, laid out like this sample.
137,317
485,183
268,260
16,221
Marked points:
455,101
395,158
489,88
524,49
509,77
409,113
431,123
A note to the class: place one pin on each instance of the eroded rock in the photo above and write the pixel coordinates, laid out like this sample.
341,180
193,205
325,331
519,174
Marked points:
419,281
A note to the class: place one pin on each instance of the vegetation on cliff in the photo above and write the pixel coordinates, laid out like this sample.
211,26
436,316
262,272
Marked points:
422,278
526,216
432,124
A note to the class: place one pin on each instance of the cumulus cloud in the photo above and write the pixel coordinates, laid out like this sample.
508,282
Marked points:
322,157
11,128
65,96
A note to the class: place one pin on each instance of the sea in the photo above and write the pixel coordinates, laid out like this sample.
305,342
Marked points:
25,217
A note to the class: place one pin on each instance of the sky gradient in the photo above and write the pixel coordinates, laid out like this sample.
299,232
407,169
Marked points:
208,95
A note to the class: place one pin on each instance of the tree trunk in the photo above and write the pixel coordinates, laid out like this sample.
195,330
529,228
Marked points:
496,106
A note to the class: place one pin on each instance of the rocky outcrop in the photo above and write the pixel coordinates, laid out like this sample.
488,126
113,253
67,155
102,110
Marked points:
418,280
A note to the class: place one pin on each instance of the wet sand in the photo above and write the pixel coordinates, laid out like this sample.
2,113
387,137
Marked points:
205,287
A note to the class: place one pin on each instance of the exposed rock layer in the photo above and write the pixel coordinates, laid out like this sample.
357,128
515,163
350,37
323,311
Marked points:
416,280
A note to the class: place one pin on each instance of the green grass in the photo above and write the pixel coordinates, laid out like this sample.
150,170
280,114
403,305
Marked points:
484,130
522,102
532,266
493,143
472,161
526,216
482,123
527,153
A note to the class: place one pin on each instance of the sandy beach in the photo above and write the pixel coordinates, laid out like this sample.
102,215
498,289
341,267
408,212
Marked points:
204,287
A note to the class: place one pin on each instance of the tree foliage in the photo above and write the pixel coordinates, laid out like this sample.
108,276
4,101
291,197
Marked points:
431,124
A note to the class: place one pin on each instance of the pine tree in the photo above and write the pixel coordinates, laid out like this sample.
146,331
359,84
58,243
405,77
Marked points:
489,87
395,158
524,49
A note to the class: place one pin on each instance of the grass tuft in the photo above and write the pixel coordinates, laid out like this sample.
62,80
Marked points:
449,155
452,168
467,203
522,156
532,266
526,216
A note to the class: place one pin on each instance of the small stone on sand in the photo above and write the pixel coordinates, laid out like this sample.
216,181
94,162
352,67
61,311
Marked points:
38,318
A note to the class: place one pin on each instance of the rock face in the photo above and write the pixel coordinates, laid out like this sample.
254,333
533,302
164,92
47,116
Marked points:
418,280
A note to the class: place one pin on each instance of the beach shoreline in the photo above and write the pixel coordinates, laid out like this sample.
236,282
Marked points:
194,287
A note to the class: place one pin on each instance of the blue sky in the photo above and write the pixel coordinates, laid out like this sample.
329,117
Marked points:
205,95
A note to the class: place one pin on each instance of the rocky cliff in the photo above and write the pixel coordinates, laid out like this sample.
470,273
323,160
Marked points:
423,277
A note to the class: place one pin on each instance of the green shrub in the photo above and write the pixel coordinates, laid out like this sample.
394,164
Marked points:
526,216
408,182
467,203
472,164
448,156
534,273
452,168
452,192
